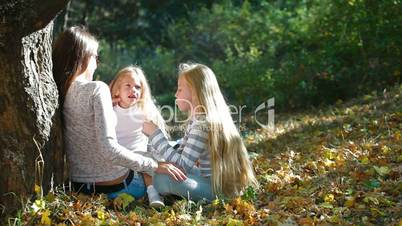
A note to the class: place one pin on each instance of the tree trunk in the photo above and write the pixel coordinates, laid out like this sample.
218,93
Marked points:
30,126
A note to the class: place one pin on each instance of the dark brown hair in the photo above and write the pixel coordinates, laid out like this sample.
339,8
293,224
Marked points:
71,53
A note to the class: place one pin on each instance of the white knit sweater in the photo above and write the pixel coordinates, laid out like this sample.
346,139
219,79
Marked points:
90,138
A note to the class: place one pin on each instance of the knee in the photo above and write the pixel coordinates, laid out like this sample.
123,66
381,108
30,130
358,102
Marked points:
162,183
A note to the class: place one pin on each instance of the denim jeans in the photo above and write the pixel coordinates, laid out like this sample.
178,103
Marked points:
136,188
195,187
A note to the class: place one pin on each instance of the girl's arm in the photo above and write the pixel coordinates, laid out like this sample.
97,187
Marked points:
195,146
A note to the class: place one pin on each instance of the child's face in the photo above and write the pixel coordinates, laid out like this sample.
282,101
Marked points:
183,95
129,91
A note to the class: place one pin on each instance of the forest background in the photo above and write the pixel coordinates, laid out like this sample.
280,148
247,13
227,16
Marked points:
303,53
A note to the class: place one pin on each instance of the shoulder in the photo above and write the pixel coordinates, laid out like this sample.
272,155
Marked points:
97,91
100,86
199,122
93,86
199,126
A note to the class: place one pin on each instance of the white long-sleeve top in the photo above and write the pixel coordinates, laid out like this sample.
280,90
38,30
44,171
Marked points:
90,138
129,128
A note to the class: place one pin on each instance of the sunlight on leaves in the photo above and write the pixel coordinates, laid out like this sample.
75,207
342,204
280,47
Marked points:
123,200
337,166
45,218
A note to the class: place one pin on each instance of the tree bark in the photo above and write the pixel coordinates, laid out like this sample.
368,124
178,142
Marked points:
31,145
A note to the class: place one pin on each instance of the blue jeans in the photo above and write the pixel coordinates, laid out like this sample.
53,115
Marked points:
195,187
136,188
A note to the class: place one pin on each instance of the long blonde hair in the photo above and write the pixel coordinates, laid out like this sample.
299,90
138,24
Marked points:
232,171
145,101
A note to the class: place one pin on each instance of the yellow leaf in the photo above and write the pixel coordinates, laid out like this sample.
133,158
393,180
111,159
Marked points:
45,218
329,198
37,189
133,216
376,212
350,202
228,208
397,136
123,200
234,222
101,215
385,149
334,219
365,160
329,155
215,203
382,171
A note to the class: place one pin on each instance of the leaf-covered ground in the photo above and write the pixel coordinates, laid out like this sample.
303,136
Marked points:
335,166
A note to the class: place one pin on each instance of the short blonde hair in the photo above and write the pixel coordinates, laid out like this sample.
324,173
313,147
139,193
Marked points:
145,102
136,71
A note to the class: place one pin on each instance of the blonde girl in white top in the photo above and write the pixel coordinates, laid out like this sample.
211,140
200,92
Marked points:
132,96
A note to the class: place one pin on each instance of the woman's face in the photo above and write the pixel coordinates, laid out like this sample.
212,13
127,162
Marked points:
130,89
183,95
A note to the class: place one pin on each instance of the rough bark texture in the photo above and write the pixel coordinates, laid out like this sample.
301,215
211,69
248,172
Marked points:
30,126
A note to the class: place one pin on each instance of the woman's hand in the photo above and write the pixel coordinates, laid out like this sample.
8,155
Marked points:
149,128
171,170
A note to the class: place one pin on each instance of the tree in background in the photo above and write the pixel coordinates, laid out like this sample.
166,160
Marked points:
303,53
30,128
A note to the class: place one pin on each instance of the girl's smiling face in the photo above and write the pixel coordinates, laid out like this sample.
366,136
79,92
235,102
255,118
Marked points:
183,95
130,89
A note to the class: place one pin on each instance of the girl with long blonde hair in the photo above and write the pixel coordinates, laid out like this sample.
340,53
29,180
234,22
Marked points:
212,153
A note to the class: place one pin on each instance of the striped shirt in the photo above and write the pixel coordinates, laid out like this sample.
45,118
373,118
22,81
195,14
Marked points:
192,150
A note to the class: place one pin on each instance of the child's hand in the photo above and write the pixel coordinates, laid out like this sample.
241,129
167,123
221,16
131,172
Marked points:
170,169
149,128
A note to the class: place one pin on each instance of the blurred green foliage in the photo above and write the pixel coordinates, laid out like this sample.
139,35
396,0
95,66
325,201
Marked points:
304,53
